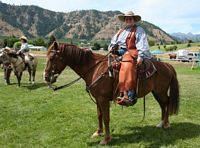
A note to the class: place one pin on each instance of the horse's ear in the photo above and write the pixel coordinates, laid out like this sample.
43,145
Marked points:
55,44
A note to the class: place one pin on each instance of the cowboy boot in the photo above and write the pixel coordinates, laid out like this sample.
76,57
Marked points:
122,100
132,97
129,99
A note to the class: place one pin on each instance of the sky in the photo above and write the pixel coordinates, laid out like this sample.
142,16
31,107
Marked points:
170,15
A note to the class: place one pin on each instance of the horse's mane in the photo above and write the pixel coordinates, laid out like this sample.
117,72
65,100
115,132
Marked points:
74,54
13,54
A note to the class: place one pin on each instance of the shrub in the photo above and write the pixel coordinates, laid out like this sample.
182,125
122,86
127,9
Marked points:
96,46
171,48
151,43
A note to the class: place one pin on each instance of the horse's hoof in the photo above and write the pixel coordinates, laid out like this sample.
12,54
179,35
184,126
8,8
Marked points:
105,140
97,134
166,126
163,125
33,82
160,125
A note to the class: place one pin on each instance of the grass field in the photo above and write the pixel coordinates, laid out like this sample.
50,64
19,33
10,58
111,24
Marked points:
35,116
194,46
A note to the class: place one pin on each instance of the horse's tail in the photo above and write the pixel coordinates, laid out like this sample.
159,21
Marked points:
174,99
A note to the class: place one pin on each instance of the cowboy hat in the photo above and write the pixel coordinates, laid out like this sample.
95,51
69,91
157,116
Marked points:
121,17
23,38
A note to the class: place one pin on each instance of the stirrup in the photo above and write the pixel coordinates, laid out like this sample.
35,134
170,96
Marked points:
126,102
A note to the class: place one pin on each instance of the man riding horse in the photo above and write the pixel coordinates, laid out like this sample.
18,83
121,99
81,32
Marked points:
24,51
130,43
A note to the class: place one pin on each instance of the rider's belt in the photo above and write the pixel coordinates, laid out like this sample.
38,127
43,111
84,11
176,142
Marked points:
123,48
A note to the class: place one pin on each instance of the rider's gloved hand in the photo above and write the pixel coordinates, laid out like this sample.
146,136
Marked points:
18,52
139,60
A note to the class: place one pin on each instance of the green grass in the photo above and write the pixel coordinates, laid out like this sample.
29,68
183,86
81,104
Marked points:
35,116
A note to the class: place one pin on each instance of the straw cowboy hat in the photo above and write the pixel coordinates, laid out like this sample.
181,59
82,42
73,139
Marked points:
121,17
23,38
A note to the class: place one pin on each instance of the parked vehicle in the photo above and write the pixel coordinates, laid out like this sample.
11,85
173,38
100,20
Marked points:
193,56
187,56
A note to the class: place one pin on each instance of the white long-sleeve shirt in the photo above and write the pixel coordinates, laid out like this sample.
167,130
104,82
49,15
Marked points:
140,42
24,48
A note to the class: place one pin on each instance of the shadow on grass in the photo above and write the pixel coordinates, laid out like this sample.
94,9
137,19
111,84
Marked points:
34,86
154,136
11,84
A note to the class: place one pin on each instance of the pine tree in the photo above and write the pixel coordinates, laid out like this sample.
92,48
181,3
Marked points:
51,40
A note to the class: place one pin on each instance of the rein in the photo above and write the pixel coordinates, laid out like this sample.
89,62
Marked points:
66,85
137,90
74,81
87,87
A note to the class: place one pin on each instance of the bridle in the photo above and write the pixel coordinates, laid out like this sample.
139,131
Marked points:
53,59
55,53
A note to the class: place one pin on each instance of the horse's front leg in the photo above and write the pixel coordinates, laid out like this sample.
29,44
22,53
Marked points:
33,75
99,131
19,76
7,73
105,108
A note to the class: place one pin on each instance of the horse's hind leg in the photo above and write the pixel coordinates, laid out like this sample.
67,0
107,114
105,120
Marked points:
99,131
163,100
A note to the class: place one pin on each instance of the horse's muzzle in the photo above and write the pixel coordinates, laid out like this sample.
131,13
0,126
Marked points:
47,79
50,79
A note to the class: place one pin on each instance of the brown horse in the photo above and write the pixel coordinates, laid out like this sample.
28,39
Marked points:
91,66
172,56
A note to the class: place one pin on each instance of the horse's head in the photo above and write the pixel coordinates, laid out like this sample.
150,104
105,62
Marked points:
7,54
55,64
4,55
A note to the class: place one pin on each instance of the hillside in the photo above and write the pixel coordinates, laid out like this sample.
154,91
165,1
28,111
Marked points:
34,21
185,37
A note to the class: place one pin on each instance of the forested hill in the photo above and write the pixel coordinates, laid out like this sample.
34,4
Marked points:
34,21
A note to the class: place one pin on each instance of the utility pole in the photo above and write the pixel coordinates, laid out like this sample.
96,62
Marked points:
199,59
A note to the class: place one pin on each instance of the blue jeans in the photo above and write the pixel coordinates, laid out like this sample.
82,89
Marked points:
131,94
121,51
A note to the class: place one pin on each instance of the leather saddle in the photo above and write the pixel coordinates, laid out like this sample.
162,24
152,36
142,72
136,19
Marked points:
144,71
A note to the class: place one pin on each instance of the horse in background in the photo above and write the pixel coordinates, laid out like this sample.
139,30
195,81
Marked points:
172,56
93,67
7,68
19,64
